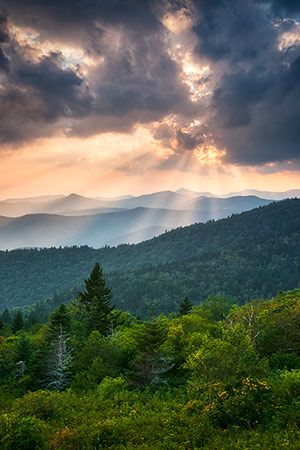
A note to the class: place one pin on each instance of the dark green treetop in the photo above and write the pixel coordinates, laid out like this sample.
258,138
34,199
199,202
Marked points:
18,322
96,300
95,287
150,366
6,317
23,349
60,317
185,307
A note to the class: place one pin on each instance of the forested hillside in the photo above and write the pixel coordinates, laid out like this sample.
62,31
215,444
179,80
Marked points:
249,255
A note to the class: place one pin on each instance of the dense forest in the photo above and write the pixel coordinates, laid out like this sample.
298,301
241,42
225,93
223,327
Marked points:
212,376
249,255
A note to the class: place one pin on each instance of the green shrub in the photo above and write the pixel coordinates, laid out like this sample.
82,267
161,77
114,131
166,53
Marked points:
22,433
284,361
109,387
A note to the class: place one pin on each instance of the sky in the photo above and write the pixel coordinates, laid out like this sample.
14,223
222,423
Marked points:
113,97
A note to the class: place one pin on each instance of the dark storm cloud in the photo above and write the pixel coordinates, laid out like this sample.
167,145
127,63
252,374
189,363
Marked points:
43,12
283,7
262,126
34,95
59,90
237,31
3,27
141,87
181,139
255,106
4,61
82,21
186,140
136,80
237,93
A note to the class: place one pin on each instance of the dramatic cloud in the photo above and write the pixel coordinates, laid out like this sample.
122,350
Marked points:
35,93
255,105
258,114
216,78
284,7
123,74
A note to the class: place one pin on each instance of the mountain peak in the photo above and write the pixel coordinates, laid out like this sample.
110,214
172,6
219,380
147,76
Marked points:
74,195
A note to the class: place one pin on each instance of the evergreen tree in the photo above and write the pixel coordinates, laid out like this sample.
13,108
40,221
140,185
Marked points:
23,349
18,322
6,317
150,365
185,307
60,317
96,300
31,321
23,354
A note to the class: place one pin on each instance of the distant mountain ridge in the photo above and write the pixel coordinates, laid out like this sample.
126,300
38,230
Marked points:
116,226
37,199
292,193
233,205
52,230
57,220
75,204
248,255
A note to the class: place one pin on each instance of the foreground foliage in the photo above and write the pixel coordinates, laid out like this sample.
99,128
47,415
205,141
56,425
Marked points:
219,376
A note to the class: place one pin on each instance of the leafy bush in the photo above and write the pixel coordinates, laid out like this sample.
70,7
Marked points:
22,433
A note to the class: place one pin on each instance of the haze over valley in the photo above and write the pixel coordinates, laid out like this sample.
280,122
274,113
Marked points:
77,220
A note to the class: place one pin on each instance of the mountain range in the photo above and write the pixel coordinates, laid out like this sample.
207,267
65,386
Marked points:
246,256
58,220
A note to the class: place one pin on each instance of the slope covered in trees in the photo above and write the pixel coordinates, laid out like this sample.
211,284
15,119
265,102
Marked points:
249,255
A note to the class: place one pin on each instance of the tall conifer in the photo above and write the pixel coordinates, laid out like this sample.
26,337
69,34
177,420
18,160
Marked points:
150,366
18,322
96,300
6,317
60,317
185,307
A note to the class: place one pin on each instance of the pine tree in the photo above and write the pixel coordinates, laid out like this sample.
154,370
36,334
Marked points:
96,300
23,354
60,317
185,307
18,322
23,349
31,321
151,365
6,317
